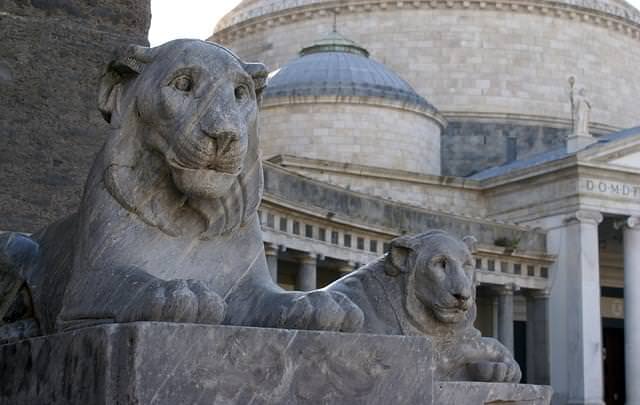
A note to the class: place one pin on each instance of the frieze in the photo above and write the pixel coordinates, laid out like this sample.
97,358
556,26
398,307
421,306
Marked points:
611,188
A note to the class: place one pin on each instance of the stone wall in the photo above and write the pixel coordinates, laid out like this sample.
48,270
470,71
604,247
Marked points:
472,146
472,60
430,192
353,133
52,54
376,212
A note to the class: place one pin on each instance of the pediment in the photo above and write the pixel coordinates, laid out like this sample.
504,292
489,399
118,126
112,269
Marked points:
631,160
622,152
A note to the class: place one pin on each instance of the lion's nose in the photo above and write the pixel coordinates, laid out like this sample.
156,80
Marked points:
463,297
221,131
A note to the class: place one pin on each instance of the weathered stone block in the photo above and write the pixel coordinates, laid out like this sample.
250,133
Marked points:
51,58
162,363
494,394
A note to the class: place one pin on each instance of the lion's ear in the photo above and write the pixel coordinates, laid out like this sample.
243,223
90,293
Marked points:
398,257
471,242
259,73
128,64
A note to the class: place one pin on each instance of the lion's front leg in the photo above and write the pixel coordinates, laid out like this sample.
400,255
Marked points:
273,307
319,310
475,358
133,295
491,361
187,301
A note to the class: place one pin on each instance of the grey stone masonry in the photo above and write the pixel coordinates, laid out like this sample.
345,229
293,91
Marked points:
374,211
51,58
160,363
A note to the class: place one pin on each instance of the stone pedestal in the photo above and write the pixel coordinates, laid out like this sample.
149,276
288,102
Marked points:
459,393
577,142
163,363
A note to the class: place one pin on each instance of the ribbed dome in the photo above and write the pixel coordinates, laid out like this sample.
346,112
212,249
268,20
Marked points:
336,66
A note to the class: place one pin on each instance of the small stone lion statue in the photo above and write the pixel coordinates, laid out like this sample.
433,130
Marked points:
167,228
424,286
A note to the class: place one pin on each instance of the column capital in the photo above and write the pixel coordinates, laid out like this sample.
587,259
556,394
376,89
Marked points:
308,258
584,217
538,294
631,223
507,289
271,249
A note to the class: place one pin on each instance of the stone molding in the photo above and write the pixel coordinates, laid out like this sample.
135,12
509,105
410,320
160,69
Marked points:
584,217
523,119
433,114
237,25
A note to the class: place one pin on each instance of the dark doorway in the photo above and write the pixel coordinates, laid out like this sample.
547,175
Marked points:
520,347
613,343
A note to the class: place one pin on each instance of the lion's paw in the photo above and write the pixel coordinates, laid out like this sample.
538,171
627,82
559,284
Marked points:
185,301
322,310
488,371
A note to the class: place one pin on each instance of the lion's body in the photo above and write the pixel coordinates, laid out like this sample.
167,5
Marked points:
167,229
404,293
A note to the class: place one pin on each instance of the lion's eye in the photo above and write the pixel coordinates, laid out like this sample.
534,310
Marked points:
182,83
242,93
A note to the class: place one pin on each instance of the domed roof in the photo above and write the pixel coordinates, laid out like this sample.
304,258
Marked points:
336,66
248,9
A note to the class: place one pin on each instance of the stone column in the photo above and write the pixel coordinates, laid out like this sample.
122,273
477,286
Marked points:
575,326
632,309
271,252
306,277
538,337
505,316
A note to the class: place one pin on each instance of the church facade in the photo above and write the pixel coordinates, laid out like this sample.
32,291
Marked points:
511,121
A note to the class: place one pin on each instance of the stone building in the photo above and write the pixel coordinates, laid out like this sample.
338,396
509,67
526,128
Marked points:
462,115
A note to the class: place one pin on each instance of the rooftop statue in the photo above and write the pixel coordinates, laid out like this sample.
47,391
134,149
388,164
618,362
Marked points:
580,108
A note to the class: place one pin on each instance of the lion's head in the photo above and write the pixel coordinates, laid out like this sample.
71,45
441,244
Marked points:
439,272
185,116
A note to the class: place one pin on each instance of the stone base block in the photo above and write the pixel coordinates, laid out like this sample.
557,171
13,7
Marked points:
480,393
163,363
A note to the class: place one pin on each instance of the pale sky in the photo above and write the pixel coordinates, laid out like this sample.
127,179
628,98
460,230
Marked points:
173,19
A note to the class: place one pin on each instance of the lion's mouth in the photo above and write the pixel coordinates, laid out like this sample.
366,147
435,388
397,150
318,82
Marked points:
454,310
231,167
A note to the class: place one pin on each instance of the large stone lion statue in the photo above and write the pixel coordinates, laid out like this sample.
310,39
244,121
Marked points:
167,228
424,286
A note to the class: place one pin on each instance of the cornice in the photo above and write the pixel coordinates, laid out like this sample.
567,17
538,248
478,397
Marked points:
433,114
283,12
596,128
